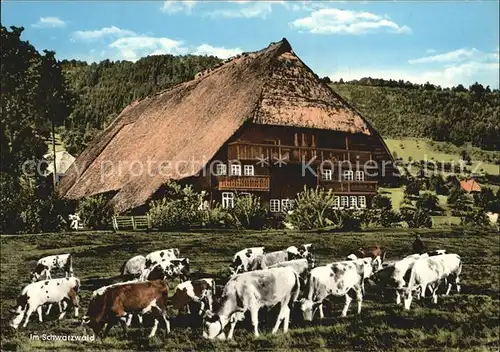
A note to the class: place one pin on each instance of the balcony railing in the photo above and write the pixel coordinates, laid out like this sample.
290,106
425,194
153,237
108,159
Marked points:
351,186
293,154
243,183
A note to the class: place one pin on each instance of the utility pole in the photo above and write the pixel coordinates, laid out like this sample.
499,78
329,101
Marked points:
54,152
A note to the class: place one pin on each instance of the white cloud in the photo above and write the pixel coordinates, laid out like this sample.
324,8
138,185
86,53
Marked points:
220,52
335,21
49,22
135,47
112,31
172,6
260,9
430,51
452,56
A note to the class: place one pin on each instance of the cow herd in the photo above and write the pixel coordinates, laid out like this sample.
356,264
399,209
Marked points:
288,279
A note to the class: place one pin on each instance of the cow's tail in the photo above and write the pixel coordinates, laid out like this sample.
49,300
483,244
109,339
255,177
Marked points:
70,263
295,290
411,282
122,268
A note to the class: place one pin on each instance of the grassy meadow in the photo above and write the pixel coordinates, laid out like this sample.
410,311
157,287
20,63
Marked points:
469,320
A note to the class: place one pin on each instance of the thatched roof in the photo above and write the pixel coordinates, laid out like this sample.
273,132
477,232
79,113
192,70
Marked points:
194,120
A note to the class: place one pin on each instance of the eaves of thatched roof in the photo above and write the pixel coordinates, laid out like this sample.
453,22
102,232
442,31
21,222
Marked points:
194,120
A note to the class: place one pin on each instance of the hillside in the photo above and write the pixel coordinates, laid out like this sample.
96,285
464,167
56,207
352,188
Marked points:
457,115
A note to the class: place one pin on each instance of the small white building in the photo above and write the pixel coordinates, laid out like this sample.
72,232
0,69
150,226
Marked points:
63,162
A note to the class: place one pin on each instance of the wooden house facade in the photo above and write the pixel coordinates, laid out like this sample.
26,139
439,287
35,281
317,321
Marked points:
261,123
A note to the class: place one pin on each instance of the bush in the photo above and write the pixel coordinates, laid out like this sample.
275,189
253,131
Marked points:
412,188
179,209
457,200
95,212
416,218
248,212
381,202
437,184
476,217
218,217
429,202
486,200
313,209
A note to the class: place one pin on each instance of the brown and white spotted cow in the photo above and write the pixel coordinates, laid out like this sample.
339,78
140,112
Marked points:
161,256
37,294
46,264
369,252
200,291
117,302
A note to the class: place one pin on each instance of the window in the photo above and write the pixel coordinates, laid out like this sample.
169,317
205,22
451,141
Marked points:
353,202
348,175
248,170
244,194
274,205
227,199
221,169
326,174
235,169
336,202
344,202
362,201
360,176
286,204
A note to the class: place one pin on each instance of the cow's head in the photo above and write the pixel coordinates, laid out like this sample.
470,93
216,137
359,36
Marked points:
236,266
352,256
18,312
308,308
176,252
212,325
93,324
37,273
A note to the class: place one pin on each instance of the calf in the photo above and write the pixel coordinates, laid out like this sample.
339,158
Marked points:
430,272
46,264
138,297
337,279
249,292
201,291
169,269
265,260
244,258
134,266
161,255
35,295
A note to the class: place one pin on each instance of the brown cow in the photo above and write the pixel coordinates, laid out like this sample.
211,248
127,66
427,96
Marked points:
202,291
370,252
116,302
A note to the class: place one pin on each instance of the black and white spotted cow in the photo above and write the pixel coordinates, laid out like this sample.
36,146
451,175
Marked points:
37,294
243,259
336,279
266,260
161,256
169,269
134,266
46,264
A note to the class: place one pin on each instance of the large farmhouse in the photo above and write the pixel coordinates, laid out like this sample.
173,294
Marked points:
260,123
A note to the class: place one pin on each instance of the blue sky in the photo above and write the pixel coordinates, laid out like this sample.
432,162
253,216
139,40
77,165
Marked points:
446,43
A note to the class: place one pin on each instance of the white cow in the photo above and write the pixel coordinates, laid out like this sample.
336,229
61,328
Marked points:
251,291
161,255
430,273
134,266
244,258
167,269
337,279
46,264
36,294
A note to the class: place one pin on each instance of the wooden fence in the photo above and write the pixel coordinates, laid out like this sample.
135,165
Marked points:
131,222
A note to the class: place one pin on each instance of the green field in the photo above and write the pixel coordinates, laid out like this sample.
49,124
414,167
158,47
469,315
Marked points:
422,149
466,321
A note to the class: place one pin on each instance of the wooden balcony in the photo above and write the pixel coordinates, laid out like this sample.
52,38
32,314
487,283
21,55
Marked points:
358,187
293,154
243,183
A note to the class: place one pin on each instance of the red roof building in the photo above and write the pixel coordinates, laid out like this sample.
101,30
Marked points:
470,185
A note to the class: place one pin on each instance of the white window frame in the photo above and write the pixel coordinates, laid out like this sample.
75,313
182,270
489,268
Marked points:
362,202
228,200
235,170
326,174
353,202
244,194
348,175
336,202
287,204
360,175
344,202
221,169
275,205
248,170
